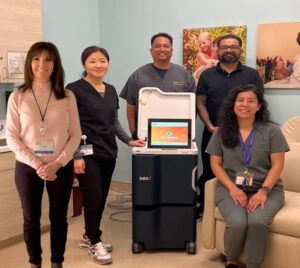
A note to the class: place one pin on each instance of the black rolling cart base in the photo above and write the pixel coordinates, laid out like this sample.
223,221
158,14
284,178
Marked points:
164,202
164,172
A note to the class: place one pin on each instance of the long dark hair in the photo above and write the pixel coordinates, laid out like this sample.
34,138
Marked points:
57,77
90,50
227,118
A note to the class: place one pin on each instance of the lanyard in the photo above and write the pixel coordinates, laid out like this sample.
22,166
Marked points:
44,114
247,153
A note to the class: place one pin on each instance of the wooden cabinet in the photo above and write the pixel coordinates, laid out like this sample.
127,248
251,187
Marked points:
20,27
10,208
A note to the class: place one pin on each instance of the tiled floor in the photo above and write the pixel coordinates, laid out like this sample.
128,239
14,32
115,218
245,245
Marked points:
117,232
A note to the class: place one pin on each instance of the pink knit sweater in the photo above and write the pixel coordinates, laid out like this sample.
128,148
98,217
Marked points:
23,124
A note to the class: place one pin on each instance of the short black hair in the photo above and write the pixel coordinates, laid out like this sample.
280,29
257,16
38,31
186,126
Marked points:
161,35
229,36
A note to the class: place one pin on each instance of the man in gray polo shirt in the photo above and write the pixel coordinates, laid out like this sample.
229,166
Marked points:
161,73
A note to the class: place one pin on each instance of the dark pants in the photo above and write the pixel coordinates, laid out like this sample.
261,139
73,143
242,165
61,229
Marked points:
94,184
207,173
30,187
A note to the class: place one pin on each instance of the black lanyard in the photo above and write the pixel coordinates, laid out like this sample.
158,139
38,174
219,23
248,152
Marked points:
44,114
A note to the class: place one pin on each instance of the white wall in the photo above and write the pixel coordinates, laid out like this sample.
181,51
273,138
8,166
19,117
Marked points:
124,28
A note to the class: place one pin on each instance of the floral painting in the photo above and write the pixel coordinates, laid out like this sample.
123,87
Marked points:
199,46
278,54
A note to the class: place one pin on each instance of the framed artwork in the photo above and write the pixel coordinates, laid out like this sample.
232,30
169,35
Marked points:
199,46
278,54
15,64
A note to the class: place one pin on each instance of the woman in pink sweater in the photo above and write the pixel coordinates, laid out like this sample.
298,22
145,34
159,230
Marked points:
43,131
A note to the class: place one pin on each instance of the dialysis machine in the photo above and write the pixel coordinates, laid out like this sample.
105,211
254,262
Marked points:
164,172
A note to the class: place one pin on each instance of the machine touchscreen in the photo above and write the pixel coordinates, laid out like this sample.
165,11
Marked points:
169,133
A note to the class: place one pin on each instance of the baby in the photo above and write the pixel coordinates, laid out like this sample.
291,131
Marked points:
206,56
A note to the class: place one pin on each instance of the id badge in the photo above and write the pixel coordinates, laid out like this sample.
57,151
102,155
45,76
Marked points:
244,178
44,146
86,149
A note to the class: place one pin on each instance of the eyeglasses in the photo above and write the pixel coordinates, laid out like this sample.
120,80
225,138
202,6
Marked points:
232,48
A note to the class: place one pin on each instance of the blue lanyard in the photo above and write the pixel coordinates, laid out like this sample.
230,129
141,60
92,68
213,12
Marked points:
247,153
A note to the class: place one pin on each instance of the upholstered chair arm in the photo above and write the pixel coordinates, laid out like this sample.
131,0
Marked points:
208,226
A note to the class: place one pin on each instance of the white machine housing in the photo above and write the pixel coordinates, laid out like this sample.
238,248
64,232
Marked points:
154,103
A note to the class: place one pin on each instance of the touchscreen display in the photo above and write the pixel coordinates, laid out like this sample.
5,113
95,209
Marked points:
169,133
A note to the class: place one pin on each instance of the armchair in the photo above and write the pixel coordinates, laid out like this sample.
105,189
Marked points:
284,231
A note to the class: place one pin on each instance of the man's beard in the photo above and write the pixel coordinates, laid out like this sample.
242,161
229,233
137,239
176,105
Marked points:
229,58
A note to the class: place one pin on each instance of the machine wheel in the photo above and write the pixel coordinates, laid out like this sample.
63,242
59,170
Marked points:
191,247
136,247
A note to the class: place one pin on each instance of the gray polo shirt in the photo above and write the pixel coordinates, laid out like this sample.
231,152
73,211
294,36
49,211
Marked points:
176,79
268,139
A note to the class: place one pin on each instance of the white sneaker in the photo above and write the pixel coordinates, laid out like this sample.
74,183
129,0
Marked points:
99,253
85,242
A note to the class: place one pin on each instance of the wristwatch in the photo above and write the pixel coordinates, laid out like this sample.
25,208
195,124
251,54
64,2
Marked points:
265,189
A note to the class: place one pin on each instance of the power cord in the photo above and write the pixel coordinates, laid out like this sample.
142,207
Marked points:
121,201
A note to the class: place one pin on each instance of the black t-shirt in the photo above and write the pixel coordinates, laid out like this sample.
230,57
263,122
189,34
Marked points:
97,116
215,84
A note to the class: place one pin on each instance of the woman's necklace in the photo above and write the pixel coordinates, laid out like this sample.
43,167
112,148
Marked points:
100,87
43,126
